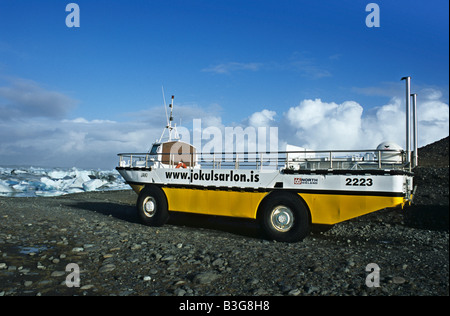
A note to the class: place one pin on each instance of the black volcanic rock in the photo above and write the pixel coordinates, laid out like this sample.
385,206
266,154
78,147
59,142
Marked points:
435,154
430,209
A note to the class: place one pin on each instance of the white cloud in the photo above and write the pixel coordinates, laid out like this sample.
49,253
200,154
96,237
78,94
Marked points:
308,67
433,116
321,125
47,139
310,70
229,67
51,141
82,120
263,118
387,123
22,98
62,143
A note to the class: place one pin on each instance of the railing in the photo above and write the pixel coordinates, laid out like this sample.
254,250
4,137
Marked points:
293,160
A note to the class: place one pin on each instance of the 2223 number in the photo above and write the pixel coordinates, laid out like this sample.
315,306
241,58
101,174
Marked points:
359,182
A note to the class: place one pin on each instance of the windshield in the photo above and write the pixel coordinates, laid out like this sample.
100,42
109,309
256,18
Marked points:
154,149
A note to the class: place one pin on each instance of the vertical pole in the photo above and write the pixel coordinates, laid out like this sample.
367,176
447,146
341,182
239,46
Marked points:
331,160
170,119
415,135
408,119
260,161
287,160
379,159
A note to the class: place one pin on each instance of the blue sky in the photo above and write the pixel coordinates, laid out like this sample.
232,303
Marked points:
224,60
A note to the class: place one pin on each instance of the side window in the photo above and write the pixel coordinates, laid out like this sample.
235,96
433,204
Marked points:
154,149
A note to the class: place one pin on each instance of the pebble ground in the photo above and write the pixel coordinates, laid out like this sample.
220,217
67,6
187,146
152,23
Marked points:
197,255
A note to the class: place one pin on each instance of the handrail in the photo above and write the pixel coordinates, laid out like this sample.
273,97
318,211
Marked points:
277,152
306,160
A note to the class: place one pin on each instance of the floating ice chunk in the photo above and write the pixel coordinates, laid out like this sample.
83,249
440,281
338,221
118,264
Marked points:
37,171
50,193
92,185
50,184
34,181
80,178
76,183
5,188
58,174
18,171
20,187
74,190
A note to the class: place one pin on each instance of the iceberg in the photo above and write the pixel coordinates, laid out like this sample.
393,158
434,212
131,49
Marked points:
58,174
5,188
50,193
92,185
28,182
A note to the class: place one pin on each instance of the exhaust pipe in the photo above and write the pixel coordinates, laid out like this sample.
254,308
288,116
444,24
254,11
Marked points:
415,157
408,120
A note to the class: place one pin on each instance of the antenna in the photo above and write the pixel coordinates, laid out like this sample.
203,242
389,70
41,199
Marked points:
169,126
171,109
165,106
170,119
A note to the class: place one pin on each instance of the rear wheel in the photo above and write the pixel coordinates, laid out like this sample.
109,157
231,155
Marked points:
284,217
152,206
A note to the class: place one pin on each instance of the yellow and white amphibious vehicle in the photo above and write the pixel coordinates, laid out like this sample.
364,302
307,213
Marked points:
286,192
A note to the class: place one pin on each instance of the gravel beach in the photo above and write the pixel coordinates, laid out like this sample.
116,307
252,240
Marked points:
197,255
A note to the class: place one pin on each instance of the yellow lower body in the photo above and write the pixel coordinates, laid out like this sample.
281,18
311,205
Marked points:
324,208
214,202
335,208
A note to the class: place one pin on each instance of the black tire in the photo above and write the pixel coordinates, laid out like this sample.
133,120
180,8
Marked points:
283,216
152,206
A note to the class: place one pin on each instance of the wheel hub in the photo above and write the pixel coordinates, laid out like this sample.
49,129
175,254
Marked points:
282,218
149,206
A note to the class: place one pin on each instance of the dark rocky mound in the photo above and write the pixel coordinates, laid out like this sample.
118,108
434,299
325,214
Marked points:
435,154
431,201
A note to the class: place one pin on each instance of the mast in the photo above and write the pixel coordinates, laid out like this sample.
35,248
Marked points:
169,126
173,133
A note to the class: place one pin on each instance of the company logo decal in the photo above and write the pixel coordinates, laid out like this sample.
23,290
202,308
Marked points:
306,181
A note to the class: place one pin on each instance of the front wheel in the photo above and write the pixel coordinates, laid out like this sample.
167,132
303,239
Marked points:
152,206
284,217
